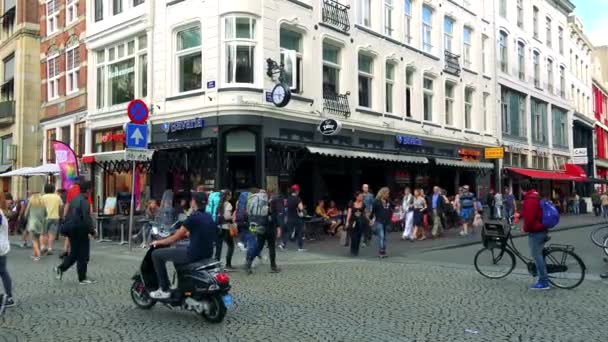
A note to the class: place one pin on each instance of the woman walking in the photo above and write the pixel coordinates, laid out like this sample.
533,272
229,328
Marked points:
36,220
356,222
381,213
408,209
419,208
224,215
6,300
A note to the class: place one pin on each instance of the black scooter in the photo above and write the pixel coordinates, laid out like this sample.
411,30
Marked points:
201,287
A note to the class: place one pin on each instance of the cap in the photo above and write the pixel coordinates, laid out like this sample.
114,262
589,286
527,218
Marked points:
295,188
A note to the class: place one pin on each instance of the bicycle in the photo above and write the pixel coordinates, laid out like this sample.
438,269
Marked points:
599,237
565,269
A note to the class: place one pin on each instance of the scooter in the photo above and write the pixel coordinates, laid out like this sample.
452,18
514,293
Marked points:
202,287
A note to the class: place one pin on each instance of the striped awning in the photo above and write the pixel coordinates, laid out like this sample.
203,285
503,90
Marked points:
464,164
340,153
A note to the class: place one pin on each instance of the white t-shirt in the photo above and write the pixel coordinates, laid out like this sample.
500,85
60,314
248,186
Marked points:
5,245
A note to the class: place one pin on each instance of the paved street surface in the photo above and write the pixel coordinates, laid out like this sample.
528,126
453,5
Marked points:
416,295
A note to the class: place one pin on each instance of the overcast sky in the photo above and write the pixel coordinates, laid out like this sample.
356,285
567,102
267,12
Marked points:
595,19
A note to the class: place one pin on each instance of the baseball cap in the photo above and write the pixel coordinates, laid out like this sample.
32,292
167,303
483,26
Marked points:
295,188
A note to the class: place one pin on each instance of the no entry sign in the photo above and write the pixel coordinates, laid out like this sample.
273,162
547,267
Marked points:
138,112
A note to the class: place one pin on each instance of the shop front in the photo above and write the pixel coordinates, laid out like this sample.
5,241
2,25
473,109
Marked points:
582,139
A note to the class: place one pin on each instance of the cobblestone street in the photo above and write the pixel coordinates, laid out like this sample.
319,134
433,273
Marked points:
434,296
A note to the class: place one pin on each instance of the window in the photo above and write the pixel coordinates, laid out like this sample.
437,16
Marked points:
409,86
388,18
364,12
71,11
575,66
189,59
116,7
513,113
98,10
138,2
560,125
79,143
51,135
484,57
365,80
240,49
331,68
535,63
407,24
484,119
539,121
52,16
466,48
390,81
6,143
560,39
448,33
449,104
502,8
122,72
291,57
548,33
52,79
427,28
428,99
535,21
468,108
72,67
521,61
66,134
8,90
503,53
520,13
550,75
562,81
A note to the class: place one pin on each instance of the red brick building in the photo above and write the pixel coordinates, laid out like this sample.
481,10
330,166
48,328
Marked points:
600,109
63,71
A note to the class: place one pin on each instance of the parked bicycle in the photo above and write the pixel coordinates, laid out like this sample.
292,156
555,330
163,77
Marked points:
599,237
496,259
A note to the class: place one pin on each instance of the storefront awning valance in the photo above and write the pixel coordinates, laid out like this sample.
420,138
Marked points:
549,175
103,157
170,145
464,164
340,153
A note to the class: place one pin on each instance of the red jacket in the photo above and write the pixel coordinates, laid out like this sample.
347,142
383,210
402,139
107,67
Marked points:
532,213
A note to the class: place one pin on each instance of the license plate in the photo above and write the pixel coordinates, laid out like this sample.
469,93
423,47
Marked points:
228,301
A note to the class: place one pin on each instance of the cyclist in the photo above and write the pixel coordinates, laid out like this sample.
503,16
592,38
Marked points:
537,233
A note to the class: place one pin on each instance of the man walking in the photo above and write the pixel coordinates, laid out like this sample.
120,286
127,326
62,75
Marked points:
368,200
508,204
490,202
596,201
604,199
498,205
80,226
294,218
52,201
467,209
437,206
537,233
266,229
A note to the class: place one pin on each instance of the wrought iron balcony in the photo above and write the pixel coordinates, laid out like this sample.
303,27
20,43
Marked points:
336,104
335,14
452,65
7,113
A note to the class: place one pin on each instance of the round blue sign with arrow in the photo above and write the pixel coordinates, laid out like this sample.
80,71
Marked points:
138,112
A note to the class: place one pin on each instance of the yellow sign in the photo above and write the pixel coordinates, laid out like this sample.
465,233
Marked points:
494,152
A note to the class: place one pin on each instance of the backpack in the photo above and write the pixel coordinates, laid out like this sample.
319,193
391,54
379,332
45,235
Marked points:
257,208
550,215
213,204
77,224
241,208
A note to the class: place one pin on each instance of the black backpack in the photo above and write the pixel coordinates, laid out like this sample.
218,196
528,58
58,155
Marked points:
77,224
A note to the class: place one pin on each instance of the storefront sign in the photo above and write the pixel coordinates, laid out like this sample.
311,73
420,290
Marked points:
329,127
494,152
170,127
116,137
579,156
138,154
402,177
410,141
469,155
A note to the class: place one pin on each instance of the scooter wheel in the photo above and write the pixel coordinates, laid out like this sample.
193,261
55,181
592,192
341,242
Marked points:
217,310
140,296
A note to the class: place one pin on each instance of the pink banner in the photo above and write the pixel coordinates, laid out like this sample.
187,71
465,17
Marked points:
67,162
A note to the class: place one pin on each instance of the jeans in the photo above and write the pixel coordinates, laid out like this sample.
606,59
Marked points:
499,212
597,209
577,208
537,244
160,257
6,278
251,242
381,232
224,236
79,254
605,211
508,212
269,237
297,226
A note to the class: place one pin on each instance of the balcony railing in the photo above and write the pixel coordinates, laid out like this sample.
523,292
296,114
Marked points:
452,64
336,104
336,14
7,113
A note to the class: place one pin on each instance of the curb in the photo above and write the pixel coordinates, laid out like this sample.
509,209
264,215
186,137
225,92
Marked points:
516,235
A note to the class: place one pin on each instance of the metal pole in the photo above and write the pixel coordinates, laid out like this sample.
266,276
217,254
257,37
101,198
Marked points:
132,210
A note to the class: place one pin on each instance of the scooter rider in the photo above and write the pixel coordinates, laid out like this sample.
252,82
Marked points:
201,229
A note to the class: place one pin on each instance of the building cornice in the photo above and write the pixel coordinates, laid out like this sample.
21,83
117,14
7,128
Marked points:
599,85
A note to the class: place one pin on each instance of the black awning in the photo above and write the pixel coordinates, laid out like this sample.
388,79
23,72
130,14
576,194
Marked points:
170,145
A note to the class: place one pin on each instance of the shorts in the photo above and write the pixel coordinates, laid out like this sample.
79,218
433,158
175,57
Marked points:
52,226
467,215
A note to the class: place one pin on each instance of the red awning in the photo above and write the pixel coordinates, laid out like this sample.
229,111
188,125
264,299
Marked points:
551,175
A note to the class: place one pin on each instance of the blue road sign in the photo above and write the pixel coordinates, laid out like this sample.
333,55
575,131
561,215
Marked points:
137,136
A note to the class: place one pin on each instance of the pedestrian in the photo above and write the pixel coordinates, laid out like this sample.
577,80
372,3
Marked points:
596,202
437,206
381,214
295,225
498,205
419,207
6,300
79,225
577,204
508,204
408,209
368,200
35,215
491,203
537,233
53,203
356,222
241,221
22,220
259,210
467,209
604,199
224,222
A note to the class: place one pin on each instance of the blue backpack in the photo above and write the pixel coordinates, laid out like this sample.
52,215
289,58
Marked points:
550,216
212,205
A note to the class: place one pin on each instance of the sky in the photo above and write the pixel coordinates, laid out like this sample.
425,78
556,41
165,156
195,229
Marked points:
594,16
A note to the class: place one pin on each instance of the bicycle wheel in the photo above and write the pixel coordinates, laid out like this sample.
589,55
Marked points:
565,269
494,262
606,245
599,237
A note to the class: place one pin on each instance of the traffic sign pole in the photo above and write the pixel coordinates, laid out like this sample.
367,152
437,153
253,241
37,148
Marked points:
132,209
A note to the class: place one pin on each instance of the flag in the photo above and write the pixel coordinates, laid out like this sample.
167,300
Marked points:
67,162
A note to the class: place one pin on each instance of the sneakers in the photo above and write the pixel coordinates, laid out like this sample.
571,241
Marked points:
604,275
87,282
160,294
275,270
282,247
540,286
58,273
9,302
241,246
301,250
